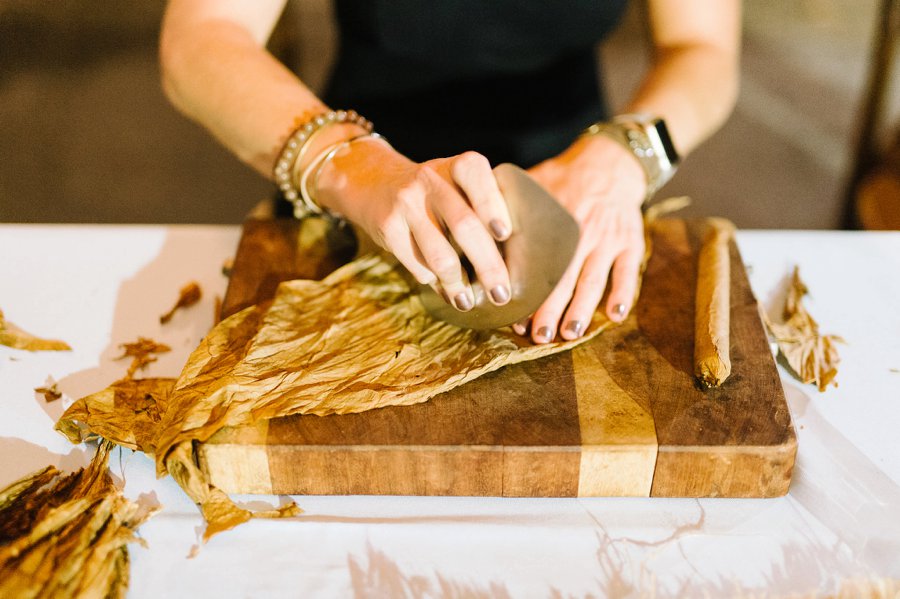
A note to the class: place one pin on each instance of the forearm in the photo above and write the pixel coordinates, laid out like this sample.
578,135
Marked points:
693,82
218,73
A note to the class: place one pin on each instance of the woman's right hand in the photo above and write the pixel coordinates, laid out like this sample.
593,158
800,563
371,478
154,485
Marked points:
421,211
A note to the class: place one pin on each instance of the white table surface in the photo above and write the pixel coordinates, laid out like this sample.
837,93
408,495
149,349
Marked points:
99,286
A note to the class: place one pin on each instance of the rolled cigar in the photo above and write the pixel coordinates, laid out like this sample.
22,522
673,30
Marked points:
712,359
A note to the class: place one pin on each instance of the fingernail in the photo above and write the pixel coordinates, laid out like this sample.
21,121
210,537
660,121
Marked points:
521,327
463,302
499,229
500,294
444,295
545,333
619,312
574,327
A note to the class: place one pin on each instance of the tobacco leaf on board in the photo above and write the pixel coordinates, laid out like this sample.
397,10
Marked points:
67,535
189,295
357,340
813,357
12,336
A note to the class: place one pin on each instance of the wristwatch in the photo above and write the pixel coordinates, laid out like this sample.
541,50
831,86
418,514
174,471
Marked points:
648,139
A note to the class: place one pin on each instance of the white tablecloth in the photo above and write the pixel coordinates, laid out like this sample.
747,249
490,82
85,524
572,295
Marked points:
99,286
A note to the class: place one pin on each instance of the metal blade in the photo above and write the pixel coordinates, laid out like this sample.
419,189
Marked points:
542,244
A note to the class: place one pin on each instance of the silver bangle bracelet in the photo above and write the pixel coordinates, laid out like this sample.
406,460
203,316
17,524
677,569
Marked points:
296,146
308,204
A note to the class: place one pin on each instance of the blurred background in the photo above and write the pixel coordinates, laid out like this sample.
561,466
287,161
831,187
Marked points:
86,134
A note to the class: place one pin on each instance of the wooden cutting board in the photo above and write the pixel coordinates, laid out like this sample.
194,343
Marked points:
618,416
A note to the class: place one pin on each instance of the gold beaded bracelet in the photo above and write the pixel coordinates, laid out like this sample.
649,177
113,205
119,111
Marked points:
296,146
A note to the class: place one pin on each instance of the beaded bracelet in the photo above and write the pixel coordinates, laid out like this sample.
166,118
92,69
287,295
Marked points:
297,144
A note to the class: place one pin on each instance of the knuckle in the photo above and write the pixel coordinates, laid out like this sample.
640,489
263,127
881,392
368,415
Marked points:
593,279
388,230
446,267
466,226
469,162
554,304
422,275
410,196
425,177
493,273
567,281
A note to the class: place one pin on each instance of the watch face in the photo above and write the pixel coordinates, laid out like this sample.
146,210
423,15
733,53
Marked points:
666,141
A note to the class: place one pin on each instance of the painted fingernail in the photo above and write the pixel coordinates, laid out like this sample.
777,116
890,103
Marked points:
463,302
500,294
499,229
444,295
521,327
545,333
575,327
619,312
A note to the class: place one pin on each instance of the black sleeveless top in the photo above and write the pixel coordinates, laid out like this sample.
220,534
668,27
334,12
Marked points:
514,80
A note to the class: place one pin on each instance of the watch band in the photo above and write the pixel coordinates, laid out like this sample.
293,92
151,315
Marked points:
647,138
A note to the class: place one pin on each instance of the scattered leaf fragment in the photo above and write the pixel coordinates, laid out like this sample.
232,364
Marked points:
50,391
228,267
67,535
189,295
141,352
14,337
813,357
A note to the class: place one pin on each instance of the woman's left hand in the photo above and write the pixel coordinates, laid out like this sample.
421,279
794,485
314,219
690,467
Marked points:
603,186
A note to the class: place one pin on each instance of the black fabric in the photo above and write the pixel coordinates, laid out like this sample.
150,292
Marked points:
514,80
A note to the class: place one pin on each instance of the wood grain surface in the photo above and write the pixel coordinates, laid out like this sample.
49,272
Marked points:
619,416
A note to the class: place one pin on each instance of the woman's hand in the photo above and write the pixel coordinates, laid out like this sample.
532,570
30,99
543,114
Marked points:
603,186
419,211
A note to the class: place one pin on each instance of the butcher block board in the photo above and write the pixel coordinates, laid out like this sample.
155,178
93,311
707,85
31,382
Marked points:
618,416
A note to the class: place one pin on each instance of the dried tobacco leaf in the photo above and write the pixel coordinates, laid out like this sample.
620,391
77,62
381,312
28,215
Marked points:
50,392
67,535
189,295
664,207
141,352
219,511
127,413
12,336
357,340
813,357
23,486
